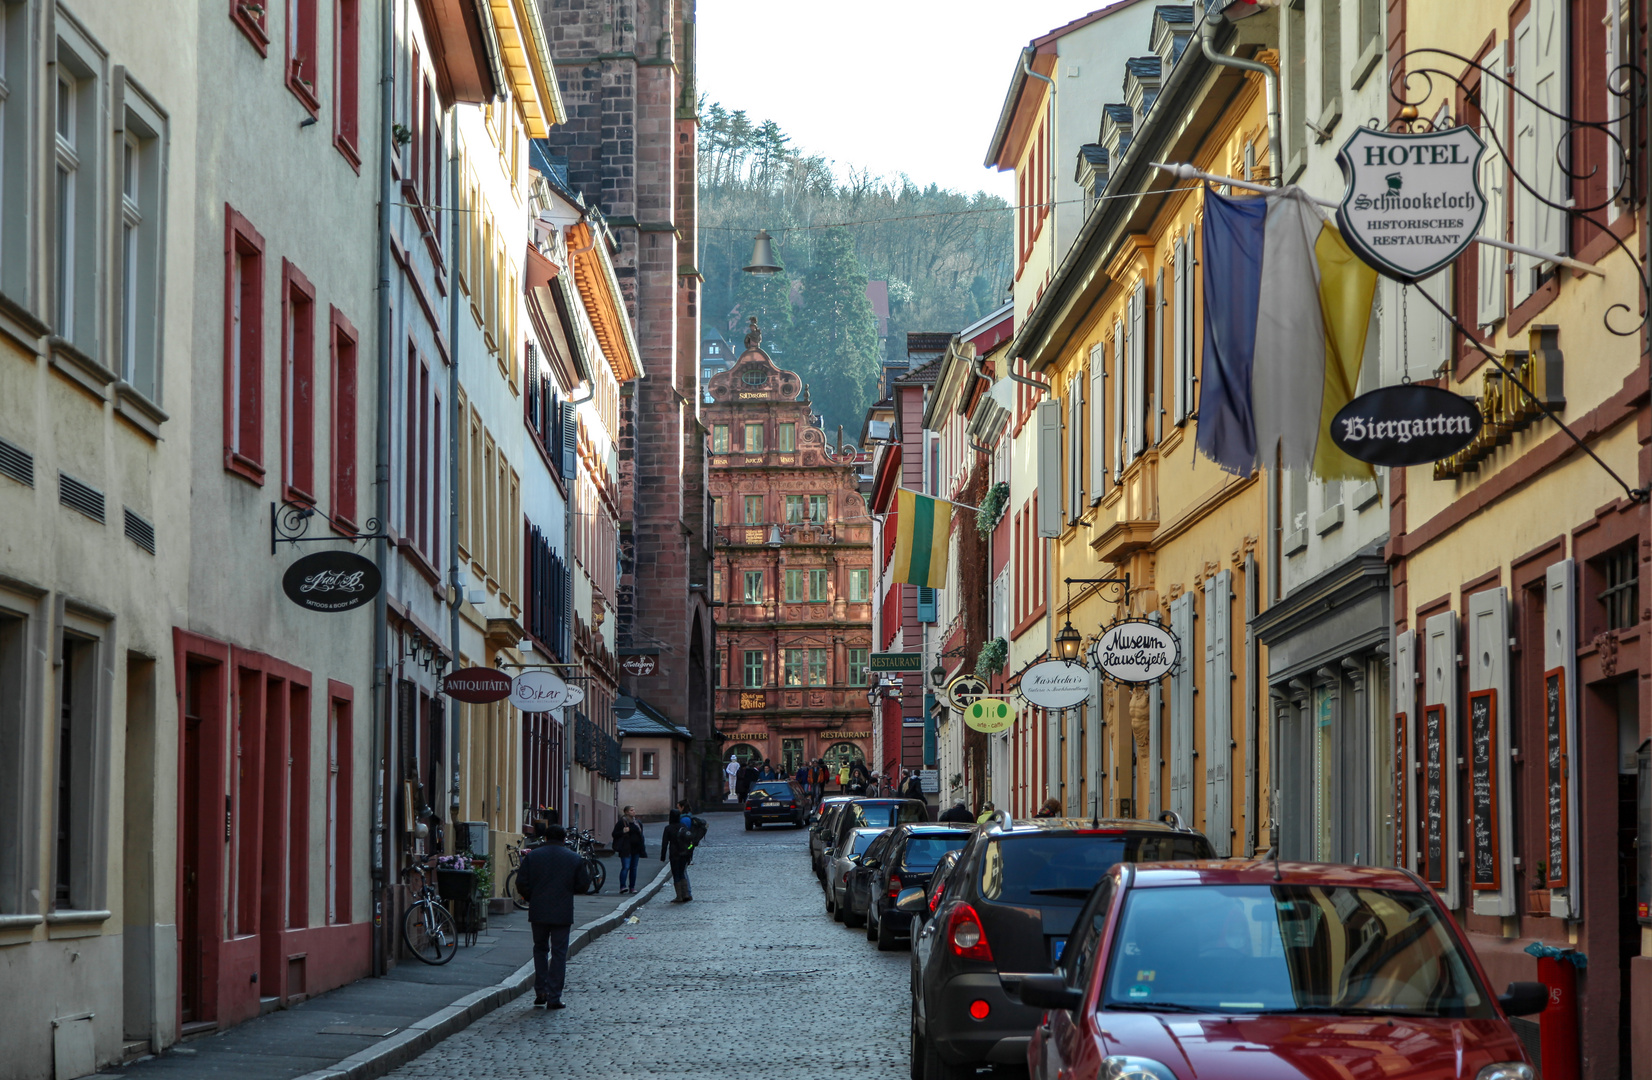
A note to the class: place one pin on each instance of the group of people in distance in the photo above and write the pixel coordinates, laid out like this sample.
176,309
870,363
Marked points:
813,778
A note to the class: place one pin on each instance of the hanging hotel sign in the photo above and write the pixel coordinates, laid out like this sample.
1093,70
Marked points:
1413,202
332,581
641,665
537,690
1409,424
1056,684
477,685
1135,651
989,715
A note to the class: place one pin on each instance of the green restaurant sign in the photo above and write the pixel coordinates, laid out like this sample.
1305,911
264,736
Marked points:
897,661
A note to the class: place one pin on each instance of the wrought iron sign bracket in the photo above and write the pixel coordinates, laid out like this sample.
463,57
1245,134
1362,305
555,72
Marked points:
1120,583
289,521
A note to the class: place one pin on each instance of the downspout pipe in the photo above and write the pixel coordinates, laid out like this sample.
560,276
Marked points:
455,572
1270,78
381,488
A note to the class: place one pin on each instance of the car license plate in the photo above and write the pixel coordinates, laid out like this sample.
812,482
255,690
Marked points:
771,804
1056,945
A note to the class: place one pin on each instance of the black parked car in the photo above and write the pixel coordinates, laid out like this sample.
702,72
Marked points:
876,814
775,800
907,859
1006,910
823,833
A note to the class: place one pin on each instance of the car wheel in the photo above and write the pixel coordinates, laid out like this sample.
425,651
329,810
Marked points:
829,905
915,1047
871,931
850,918
886,937
837,909
937,1069
749,825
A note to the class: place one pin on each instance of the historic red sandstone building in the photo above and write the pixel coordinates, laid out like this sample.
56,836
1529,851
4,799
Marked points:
793,570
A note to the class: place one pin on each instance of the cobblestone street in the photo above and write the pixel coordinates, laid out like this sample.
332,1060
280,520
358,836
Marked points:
751,979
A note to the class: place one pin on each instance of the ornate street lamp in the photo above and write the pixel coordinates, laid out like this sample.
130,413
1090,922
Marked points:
1069,643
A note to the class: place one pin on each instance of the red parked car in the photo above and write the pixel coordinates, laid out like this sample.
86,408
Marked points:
1258,970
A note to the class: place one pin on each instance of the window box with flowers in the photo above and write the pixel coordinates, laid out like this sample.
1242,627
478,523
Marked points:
993,656
991,511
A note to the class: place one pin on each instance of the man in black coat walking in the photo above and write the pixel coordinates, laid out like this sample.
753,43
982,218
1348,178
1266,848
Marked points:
550,877
958,812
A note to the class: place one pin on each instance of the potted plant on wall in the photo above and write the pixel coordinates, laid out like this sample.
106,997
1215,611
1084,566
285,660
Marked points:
1537,900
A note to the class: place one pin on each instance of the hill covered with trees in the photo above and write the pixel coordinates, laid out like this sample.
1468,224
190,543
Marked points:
945,257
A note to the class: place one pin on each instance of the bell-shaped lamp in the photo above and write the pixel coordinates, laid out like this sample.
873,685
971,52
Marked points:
762,256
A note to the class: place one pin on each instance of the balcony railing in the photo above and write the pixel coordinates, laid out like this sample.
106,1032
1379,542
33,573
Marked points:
782,534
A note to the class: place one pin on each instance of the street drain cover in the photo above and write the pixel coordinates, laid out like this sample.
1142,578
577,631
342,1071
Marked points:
353,1029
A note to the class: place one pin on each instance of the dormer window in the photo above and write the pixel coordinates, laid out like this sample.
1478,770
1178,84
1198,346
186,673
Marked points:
754,376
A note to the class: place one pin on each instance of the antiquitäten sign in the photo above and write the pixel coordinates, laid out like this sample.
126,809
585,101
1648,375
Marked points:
477,685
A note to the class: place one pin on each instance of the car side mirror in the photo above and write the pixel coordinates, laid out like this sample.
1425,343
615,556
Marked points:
1048,992
911,901
1524,998
869,864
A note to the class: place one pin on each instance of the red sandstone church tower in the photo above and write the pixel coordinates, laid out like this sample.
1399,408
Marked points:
793,570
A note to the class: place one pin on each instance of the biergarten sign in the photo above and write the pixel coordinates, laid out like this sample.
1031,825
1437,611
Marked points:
1135,651
1413,201
536,691
1402,425
332,581
1056,684
896,661
989,715
477,685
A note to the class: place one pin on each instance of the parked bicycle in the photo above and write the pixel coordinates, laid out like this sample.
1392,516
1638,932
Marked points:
428,929
514,853
582,842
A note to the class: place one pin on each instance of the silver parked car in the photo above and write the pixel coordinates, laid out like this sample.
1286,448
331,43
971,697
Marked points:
839,862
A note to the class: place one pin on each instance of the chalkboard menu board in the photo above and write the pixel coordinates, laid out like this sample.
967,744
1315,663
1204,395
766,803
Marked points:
1482,787
1434,795
1556,764
1400,786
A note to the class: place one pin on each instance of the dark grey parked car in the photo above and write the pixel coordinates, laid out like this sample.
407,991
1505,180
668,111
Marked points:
905,862
823,833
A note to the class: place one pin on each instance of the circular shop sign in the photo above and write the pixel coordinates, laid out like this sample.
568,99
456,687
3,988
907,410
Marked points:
963,691
576,694
1405,425
1056,684
538,691
1135,651
332,581
477,685
989,715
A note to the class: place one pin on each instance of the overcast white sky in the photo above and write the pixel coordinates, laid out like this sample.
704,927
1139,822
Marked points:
909,86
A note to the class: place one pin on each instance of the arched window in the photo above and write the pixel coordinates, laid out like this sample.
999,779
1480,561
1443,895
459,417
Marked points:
841,754
746,754
753,375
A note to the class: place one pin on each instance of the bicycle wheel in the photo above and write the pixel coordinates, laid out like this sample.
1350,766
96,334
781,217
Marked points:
599,873
430,933
510,891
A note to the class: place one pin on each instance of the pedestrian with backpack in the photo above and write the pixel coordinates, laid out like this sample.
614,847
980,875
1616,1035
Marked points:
677,845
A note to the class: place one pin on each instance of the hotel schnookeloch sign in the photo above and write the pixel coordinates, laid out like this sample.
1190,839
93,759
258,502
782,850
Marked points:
1413,201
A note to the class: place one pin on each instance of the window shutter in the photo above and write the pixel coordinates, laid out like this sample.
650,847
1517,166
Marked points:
1190,329
1488,648
1493,182
1181,710
1098,422
1178,344
1155,742
1157,405
570,438
1075,448
926,604
1219,711
1120,424
1049,467
1138,370
1404,674
1440,689
1560,665
1539,66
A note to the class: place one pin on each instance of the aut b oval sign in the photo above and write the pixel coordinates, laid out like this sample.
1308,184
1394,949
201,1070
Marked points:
1405,425
332,581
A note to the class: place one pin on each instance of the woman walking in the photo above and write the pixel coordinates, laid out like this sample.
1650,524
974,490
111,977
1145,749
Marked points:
628,845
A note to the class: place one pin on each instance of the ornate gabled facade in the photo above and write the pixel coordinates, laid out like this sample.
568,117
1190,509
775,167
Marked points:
792,573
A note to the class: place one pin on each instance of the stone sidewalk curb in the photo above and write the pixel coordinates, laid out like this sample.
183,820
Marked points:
397,1050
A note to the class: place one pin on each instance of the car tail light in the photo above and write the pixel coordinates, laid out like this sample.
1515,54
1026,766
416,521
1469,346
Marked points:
979,1009
894,885
968,937
935,900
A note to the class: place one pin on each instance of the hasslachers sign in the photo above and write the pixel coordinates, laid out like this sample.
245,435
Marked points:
1055,684
1405,425
1413,202
477,685
332,581
1135,651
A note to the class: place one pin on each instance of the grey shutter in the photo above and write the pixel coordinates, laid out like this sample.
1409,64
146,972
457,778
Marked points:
1219,710
1404,795
1098,422
1190,335
1075,448
1120,420
1440,688
1138,370
1539,71
1493,182
1488,669
1158,358
1178,344
1560,651
570,439
1181,710
1155,744
1049,468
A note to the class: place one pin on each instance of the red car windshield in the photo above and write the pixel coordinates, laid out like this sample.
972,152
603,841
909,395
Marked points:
1288,949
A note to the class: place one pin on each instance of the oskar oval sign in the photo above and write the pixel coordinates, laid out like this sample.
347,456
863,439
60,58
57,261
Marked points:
331,581
1055,684
1405,425
1136,651
537,690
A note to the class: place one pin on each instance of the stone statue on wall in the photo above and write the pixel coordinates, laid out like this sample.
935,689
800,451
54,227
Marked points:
1138,716
754,336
